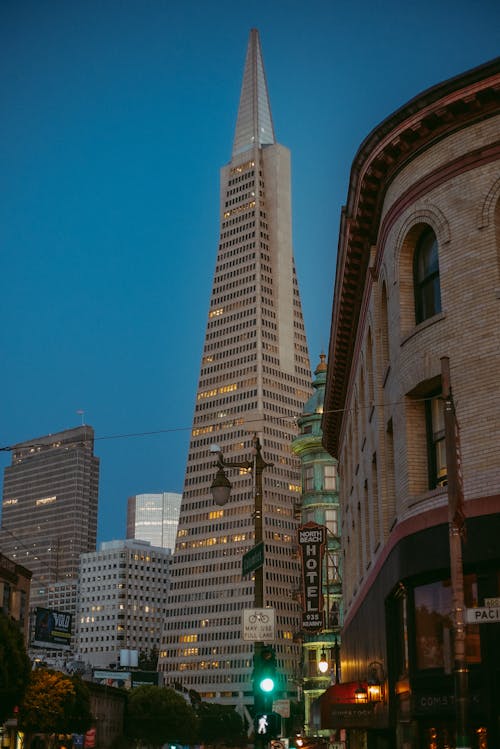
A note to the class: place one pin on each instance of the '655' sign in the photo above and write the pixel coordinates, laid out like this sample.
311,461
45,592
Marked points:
312,539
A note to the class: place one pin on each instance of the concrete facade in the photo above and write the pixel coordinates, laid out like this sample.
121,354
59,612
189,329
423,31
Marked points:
123,592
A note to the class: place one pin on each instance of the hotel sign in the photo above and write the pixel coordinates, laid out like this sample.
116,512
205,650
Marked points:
312,541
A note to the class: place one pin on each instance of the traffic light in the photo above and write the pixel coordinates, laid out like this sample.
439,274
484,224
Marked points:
267,725
265,671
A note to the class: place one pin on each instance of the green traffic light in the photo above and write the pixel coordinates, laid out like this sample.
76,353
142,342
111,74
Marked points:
267,684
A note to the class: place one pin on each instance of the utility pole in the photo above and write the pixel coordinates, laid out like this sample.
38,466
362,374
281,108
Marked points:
456,522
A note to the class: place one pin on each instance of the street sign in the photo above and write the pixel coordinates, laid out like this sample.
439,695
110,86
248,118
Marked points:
282,707
259,625
253,559
492,602
483,615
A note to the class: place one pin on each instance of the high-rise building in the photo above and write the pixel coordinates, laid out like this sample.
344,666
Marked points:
154,518
49,512
123,590
255,377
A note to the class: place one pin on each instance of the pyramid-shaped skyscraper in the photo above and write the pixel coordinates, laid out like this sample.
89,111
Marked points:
255,378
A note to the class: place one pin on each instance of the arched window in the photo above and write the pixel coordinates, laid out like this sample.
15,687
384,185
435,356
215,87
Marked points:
426,277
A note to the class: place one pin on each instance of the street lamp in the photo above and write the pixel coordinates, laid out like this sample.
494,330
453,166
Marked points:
323,663
221,490
375,681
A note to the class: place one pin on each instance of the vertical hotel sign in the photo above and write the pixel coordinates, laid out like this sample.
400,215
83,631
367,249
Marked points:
312,539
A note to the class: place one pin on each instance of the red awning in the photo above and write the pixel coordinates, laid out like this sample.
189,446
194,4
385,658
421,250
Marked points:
339,709
343,692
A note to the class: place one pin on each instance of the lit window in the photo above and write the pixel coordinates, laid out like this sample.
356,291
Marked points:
45,501
436,446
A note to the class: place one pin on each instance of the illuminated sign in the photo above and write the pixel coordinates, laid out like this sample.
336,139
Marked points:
312,539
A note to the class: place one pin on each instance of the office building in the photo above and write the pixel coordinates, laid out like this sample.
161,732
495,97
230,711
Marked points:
412,413
255,377
154,518
123,590
49,512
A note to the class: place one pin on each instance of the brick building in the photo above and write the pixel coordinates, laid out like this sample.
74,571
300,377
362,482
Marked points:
417,289
15,583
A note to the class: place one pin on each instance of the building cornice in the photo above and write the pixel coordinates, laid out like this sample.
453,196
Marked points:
428,118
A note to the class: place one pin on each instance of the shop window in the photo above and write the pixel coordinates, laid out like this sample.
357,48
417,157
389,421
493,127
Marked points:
433,625
426,277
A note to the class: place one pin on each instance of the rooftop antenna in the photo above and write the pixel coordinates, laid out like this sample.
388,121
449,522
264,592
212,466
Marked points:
81,413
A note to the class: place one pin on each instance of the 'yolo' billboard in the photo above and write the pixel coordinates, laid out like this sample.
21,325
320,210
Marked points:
312,540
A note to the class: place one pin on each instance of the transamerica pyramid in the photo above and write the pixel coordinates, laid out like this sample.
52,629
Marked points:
255,378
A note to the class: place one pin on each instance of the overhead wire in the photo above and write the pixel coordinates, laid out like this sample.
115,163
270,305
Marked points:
153,432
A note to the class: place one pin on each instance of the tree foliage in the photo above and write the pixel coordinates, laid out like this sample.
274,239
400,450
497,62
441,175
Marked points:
55,703
157,715
148,659
220,724
15,666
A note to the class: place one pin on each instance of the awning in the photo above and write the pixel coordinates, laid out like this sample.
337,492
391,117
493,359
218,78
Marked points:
339,709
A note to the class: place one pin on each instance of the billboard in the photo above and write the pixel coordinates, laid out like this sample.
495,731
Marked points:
312,539
52,629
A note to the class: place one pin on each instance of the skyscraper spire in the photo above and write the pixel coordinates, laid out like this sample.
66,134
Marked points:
254,125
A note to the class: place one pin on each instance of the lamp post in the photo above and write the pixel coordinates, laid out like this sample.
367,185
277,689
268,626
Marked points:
456,524
221,490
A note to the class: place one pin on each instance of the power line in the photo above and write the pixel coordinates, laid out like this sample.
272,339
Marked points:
153,432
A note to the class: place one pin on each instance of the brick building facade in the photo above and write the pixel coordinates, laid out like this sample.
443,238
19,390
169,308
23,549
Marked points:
417,284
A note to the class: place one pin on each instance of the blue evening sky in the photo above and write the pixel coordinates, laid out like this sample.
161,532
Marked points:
116,116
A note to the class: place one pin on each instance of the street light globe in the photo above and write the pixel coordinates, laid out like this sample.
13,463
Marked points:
221,488
323,664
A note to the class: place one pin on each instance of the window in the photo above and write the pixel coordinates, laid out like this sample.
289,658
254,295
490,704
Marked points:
308,478
329,478
436,446
332,520
426,277
433,624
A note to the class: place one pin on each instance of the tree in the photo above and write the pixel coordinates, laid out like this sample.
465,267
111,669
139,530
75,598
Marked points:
148,659
15,666
157,715
220,724
55,703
